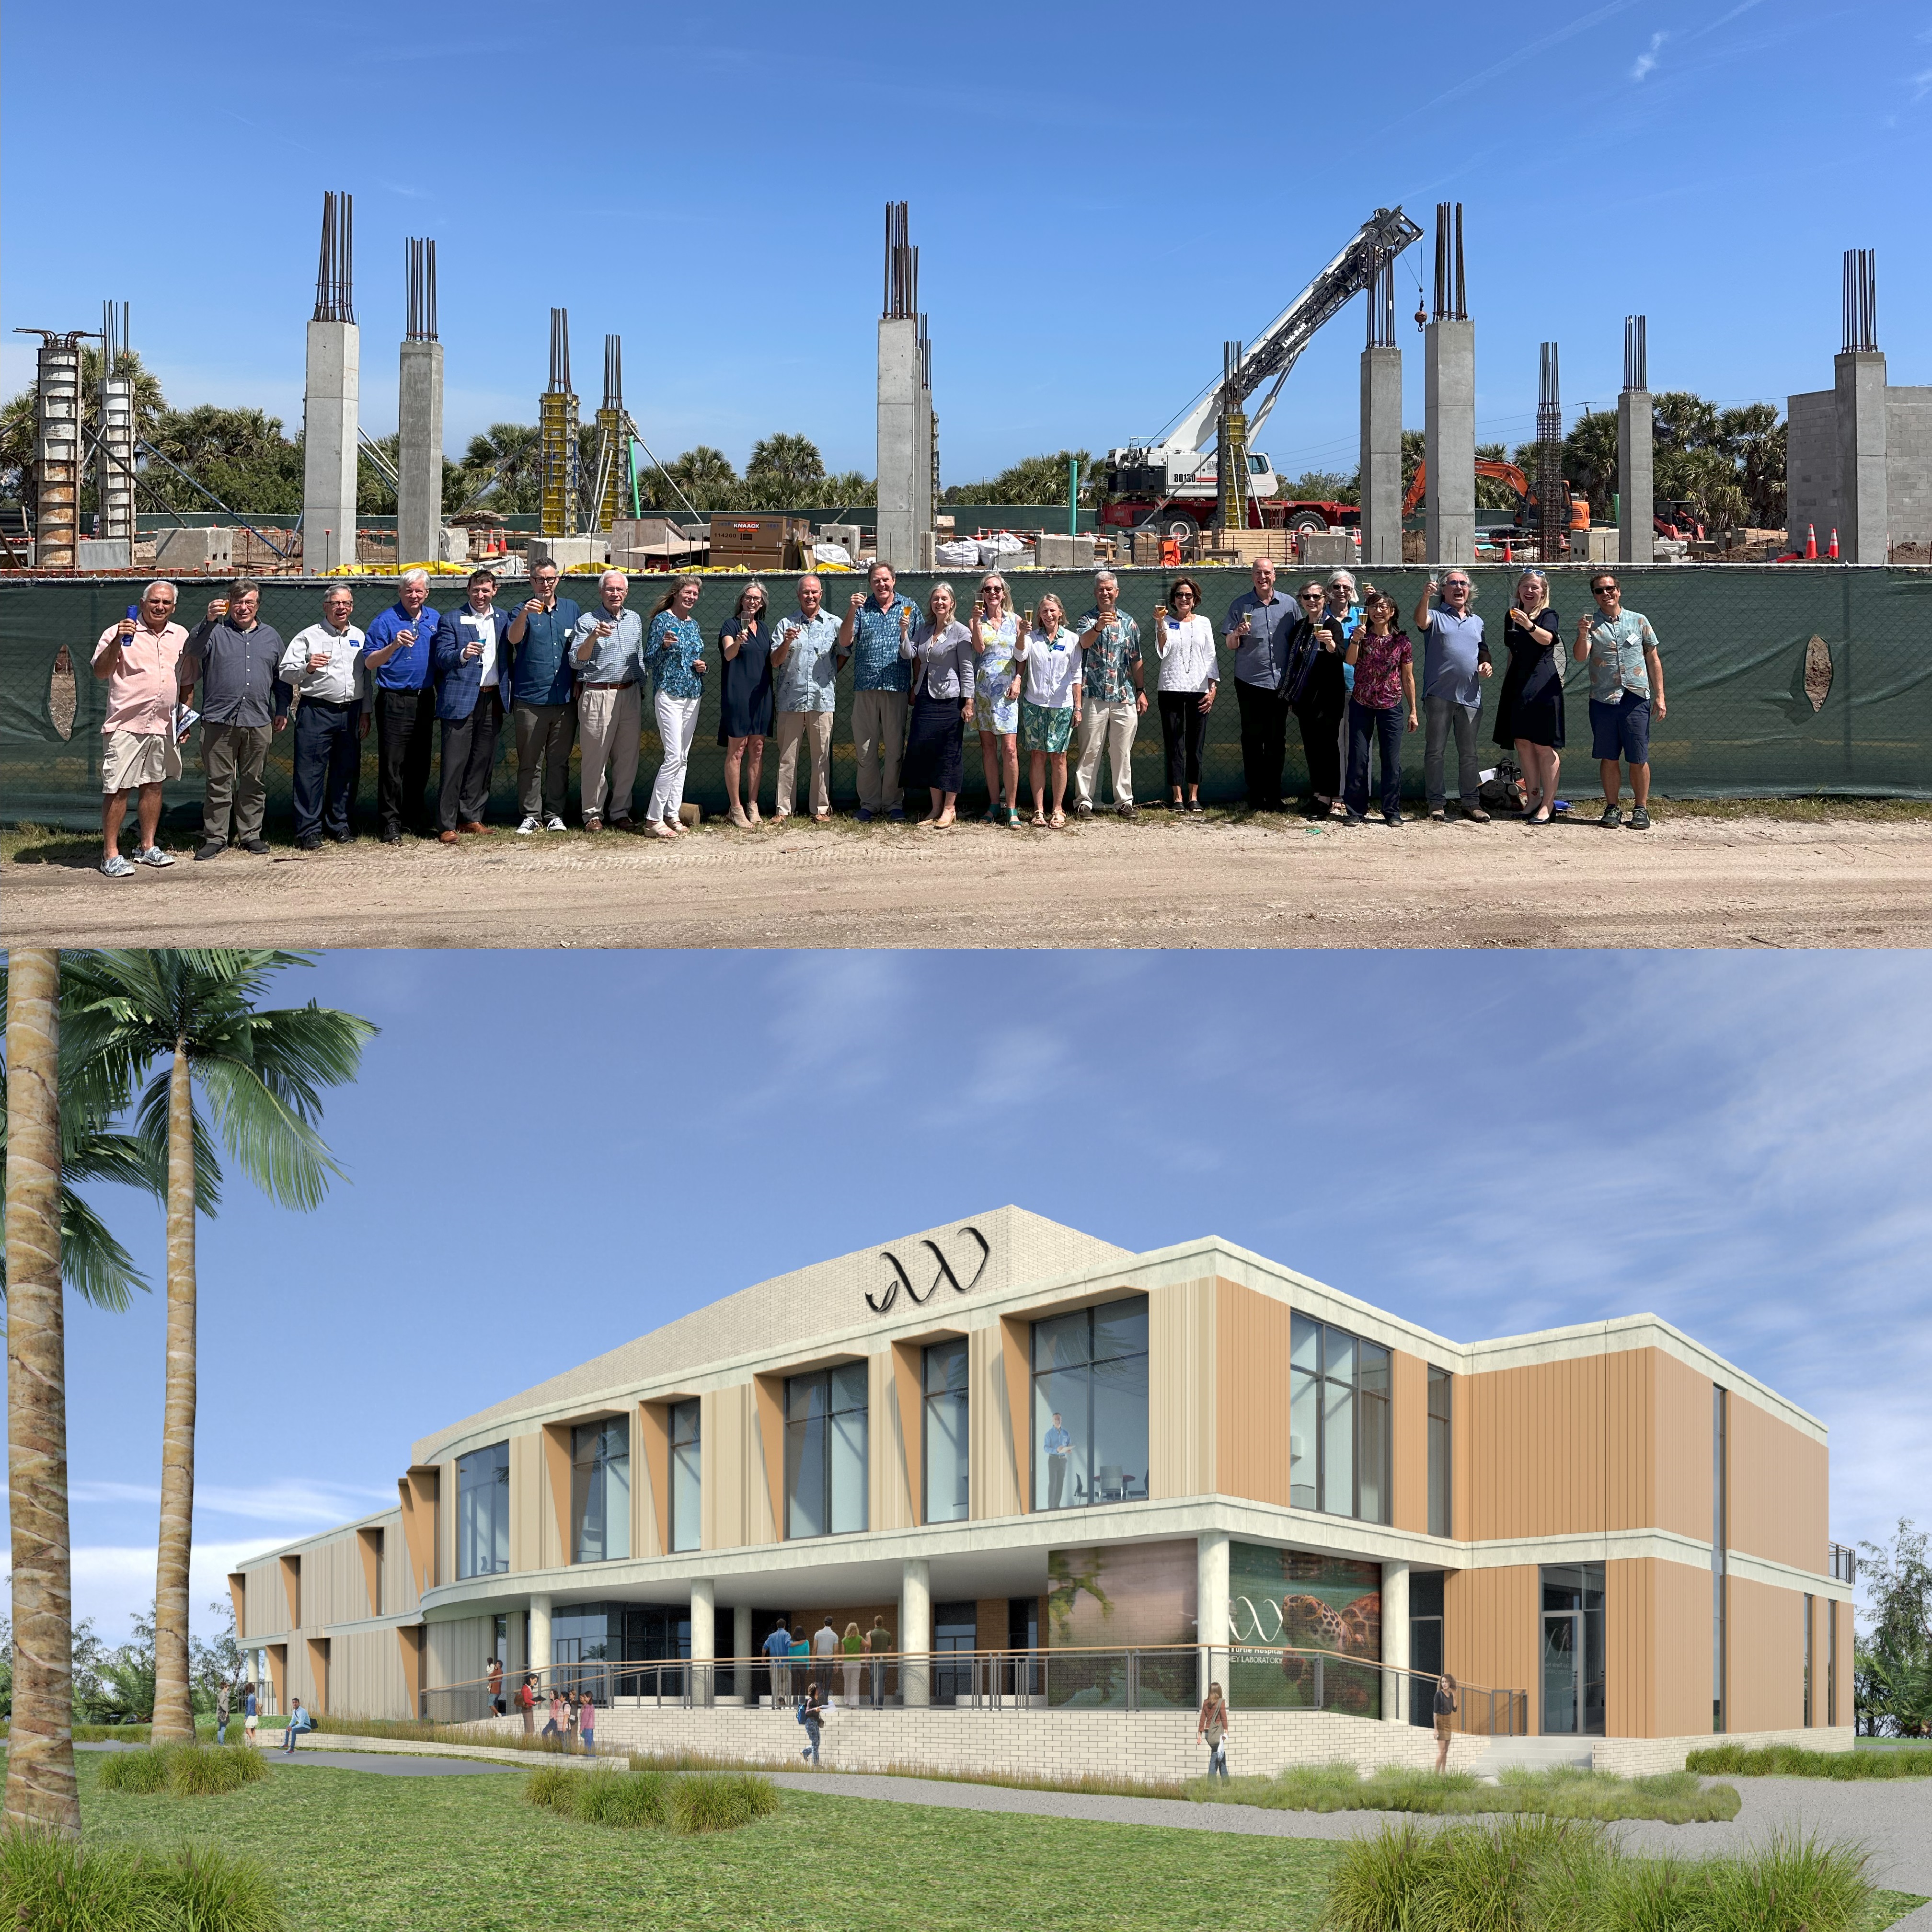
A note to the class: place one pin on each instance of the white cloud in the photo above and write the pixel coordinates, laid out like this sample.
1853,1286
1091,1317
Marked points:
1647,60
114,1582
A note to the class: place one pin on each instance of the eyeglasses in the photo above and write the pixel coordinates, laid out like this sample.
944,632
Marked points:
1311,597
1183,596
1455,584
1603,590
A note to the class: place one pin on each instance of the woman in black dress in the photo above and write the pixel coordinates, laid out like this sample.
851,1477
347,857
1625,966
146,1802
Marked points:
941,648
1317,693
1529,712
745,710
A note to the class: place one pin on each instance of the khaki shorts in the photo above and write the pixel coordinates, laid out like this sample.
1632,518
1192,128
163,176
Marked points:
131,758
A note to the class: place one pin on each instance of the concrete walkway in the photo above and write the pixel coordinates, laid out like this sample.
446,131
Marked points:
385,1757
1891,1821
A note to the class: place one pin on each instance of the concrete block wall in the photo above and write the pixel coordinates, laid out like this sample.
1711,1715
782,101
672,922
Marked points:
1638,1757
1146,1746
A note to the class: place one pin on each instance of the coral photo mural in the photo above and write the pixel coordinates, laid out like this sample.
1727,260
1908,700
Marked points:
1299,1621
1103,1600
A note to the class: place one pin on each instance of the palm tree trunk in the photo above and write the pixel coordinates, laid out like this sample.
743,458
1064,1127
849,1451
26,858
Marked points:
174,1710
39,1755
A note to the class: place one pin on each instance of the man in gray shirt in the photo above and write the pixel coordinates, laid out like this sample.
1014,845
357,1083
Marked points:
1258,629
244,704
1455,658
805,677
608,660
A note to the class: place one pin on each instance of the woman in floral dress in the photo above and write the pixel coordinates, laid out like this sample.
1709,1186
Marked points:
996,695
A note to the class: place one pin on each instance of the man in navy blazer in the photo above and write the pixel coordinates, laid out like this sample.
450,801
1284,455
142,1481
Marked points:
470,659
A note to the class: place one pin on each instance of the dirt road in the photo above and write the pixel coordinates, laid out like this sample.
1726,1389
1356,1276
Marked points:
1158,882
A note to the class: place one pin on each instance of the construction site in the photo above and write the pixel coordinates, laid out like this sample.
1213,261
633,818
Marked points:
1798,656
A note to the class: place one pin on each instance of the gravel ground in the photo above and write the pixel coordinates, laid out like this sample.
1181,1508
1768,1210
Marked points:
1893,1821
1157,882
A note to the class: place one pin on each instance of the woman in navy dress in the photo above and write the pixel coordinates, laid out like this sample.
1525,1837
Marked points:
744,711
1529,712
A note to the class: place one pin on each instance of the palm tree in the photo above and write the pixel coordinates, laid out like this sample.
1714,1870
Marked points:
261,1075
50,1235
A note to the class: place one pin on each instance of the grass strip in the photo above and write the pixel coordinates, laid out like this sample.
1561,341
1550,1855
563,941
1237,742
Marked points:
1794,1761
52,1884
1671,1797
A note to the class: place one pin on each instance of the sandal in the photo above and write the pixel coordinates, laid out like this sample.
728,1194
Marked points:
1039,819
1013,817
994,815
1058,820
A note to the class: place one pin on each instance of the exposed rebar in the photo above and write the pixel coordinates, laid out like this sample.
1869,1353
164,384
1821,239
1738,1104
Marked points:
613,372
1451,291
335,270
1861,301
901,289
1382,300
1636,354
1552,494
421,253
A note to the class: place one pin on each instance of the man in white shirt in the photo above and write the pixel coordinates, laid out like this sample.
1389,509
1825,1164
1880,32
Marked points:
467,657
824,1650
323,665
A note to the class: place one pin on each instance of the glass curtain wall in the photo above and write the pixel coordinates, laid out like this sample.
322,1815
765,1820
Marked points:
1439,1387
483,1511
1090,1406
686,1477
600,1489
944,1448
1338,1422
825,1451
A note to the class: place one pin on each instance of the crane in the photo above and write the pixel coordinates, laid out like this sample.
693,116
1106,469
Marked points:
1173,469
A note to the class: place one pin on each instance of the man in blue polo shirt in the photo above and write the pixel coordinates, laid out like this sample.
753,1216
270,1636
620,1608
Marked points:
542,710
398,650
1455,659
881,680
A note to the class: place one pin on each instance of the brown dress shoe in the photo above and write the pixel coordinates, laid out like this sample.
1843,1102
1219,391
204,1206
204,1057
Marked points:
445,838
473,826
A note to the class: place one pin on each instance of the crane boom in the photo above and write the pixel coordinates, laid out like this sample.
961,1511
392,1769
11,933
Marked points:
1269,358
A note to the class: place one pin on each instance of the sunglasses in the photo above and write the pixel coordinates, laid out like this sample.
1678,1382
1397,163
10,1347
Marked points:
1602,590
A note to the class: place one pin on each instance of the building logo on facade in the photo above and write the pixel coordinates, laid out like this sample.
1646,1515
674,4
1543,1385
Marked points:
901,1279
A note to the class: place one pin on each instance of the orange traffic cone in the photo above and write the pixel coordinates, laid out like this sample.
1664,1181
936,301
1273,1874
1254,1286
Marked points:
1810,543
1509,551
1834,551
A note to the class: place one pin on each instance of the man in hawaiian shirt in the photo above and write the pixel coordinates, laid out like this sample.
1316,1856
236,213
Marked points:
1110,644
1626,682
881,679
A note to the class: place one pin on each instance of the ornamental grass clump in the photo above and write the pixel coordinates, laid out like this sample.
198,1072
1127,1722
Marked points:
719,1801
1673,1798
183,1770
1793,1761
52,1886
697,1802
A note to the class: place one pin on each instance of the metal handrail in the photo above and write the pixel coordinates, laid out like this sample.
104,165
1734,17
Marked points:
1844,1563
1139,1677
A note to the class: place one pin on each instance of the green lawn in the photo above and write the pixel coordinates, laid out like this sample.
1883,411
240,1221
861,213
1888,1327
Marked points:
418,1855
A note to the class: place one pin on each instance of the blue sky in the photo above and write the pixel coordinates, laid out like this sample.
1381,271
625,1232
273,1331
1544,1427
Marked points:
549,1154
1097,205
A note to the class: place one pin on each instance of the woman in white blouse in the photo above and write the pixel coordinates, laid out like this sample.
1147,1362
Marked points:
1049,704
941,648
1184,640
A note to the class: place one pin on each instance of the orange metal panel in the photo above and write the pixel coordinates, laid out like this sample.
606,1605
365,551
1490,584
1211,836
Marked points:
1839,1683
908,1365
318,1674
237,1594
1016,1356
369,1541
1409,1429
1488,1628
291,1568
1629,1633
556,1481
1780,1489
1682,1436
654,1440
1681,1620
768,1392
278,1673
409,1641
1251,1432
1766,1654
418,1491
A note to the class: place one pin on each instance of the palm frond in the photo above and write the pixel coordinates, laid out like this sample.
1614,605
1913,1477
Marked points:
151,1128
279,1150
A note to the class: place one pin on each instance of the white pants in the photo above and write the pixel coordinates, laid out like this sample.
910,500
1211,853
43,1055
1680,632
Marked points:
1113,726
677,723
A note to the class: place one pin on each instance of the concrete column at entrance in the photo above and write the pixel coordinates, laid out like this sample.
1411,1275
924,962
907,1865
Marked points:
900,444
741,1646
1211,1606
539,1633
331,402
703,1636
1636,509
915,1629
419,455
1395,1642
1449,425
1864,512
1382,457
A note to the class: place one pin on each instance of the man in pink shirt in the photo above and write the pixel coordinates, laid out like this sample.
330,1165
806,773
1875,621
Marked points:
140,660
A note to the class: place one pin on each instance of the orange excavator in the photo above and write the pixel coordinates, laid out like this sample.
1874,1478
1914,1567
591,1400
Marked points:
1508,473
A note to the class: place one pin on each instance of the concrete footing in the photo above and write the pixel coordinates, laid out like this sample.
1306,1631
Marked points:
1382,457
199,547
331,398
1636,494
1449,397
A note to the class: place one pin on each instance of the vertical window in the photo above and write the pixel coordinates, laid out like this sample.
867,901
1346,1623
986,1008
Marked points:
1831,1662
600,1489
483,1511
825,1451
1089,1404
1721,1537
1439,1453
686,1477
943,1447
1338,1422
1810,1654
1574,1687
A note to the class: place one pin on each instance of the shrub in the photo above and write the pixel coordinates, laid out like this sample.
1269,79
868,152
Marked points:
1379,1885
1793,1761
551,1785
186,1771
721,1802
52,1884
627,1798
1676,1798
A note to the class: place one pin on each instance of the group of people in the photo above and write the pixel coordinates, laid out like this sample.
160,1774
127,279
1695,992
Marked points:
1030,680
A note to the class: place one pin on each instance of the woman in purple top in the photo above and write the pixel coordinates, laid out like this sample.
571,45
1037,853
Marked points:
1385,682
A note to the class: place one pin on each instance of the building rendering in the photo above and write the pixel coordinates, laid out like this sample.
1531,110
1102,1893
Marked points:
1006,1439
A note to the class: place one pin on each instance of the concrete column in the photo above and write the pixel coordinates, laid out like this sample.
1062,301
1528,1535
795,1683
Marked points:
1382,457
419,458
331,404
1863,509
1449,427
915,1629
703,1637
741,1636
1395,1643
1211,1606
904,449
539,1659
1635,494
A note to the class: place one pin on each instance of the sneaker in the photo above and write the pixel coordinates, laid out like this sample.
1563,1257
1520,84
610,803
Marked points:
1084,808
1612,816
529,825
1639,820
213,849
153,856
552,823
865,815
259,848
897,814
117,868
